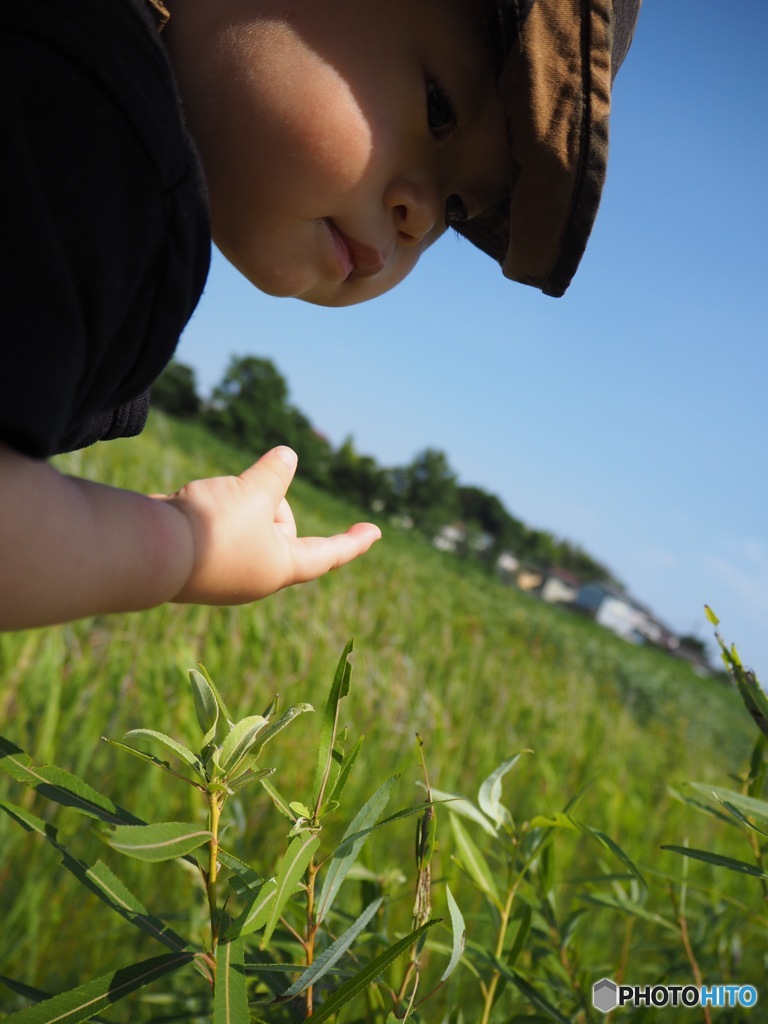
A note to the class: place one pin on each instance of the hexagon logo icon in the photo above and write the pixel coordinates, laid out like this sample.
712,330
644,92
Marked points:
604,995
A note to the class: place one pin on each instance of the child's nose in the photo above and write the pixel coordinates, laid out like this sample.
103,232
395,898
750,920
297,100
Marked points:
416,210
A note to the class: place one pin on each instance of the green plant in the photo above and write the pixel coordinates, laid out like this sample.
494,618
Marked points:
296,907
746,809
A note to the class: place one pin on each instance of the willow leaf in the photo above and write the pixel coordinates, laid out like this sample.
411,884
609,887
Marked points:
183,753
230,999
294,865
238,741
206,705
369,973
341,862
82,1003
61,786
489,796
165,840
339,690
473,862
459,935
329,957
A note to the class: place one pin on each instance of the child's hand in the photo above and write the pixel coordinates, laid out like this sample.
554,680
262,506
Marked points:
244,535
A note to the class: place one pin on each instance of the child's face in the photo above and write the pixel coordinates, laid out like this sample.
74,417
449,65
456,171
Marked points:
338,135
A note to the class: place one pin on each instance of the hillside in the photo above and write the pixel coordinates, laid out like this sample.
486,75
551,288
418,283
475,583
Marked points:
478,670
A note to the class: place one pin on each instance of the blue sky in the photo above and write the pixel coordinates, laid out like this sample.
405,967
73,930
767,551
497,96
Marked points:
629,416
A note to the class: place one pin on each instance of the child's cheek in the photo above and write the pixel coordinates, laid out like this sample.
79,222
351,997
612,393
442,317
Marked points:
332,133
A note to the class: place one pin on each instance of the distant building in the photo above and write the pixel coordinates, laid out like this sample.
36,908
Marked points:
529,579
612,609
507,565
456,537
559,586
450,537
624,616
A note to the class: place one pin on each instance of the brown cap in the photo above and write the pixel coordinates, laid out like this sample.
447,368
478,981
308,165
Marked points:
557,62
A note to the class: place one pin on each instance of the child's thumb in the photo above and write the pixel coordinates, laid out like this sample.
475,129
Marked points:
273,472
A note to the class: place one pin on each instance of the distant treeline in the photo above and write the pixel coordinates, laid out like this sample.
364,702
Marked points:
250,408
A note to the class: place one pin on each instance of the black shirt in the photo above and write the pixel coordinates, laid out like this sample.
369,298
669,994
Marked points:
106,237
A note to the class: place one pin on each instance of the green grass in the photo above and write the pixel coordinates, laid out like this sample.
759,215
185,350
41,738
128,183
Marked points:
478,670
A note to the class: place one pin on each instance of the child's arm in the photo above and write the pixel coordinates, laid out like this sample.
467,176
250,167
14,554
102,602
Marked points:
71,548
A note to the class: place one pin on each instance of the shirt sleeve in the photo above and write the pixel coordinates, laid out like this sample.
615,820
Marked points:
93,274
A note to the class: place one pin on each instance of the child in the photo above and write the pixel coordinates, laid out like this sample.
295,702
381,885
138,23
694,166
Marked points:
334,142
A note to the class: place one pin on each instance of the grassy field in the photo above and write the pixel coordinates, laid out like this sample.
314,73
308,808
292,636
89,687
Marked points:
478,670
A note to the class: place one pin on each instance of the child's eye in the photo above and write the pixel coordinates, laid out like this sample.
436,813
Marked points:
441,113
455,210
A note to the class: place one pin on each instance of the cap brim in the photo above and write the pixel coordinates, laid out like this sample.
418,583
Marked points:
555,85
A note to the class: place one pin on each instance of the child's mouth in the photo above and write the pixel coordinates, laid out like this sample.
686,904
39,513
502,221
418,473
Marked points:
353,256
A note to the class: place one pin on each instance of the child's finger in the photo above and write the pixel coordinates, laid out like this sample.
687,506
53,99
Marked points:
273,473
314,556
284,519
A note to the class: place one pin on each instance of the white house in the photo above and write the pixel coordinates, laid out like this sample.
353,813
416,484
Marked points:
613,609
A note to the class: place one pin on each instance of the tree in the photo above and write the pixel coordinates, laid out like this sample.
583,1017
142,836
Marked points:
358,477
430,491
175,391
486,511
249,407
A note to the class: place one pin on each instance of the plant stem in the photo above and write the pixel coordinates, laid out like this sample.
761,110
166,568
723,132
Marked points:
309,945
214,814
503,925
682,921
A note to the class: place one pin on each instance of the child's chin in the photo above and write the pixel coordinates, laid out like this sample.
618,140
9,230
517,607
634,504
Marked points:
341,297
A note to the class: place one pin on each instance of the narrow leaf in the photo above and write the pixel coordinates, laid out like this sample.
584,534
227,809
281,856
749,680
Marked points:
521,935
339,690
627,906
217,695
474,862
101,881
752,693
746,804
341,862
294,865
37,995
269,733
238,741
329,957
458,804
245,879
115,893
61,786
206,705
344,771
613,847
459,935
743,819
698,805
256,913
230,998
163,841
279,801
532,995
83,1002
369,973
742,867
182,752
249,776
560,820
557,820
489,796
142,755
